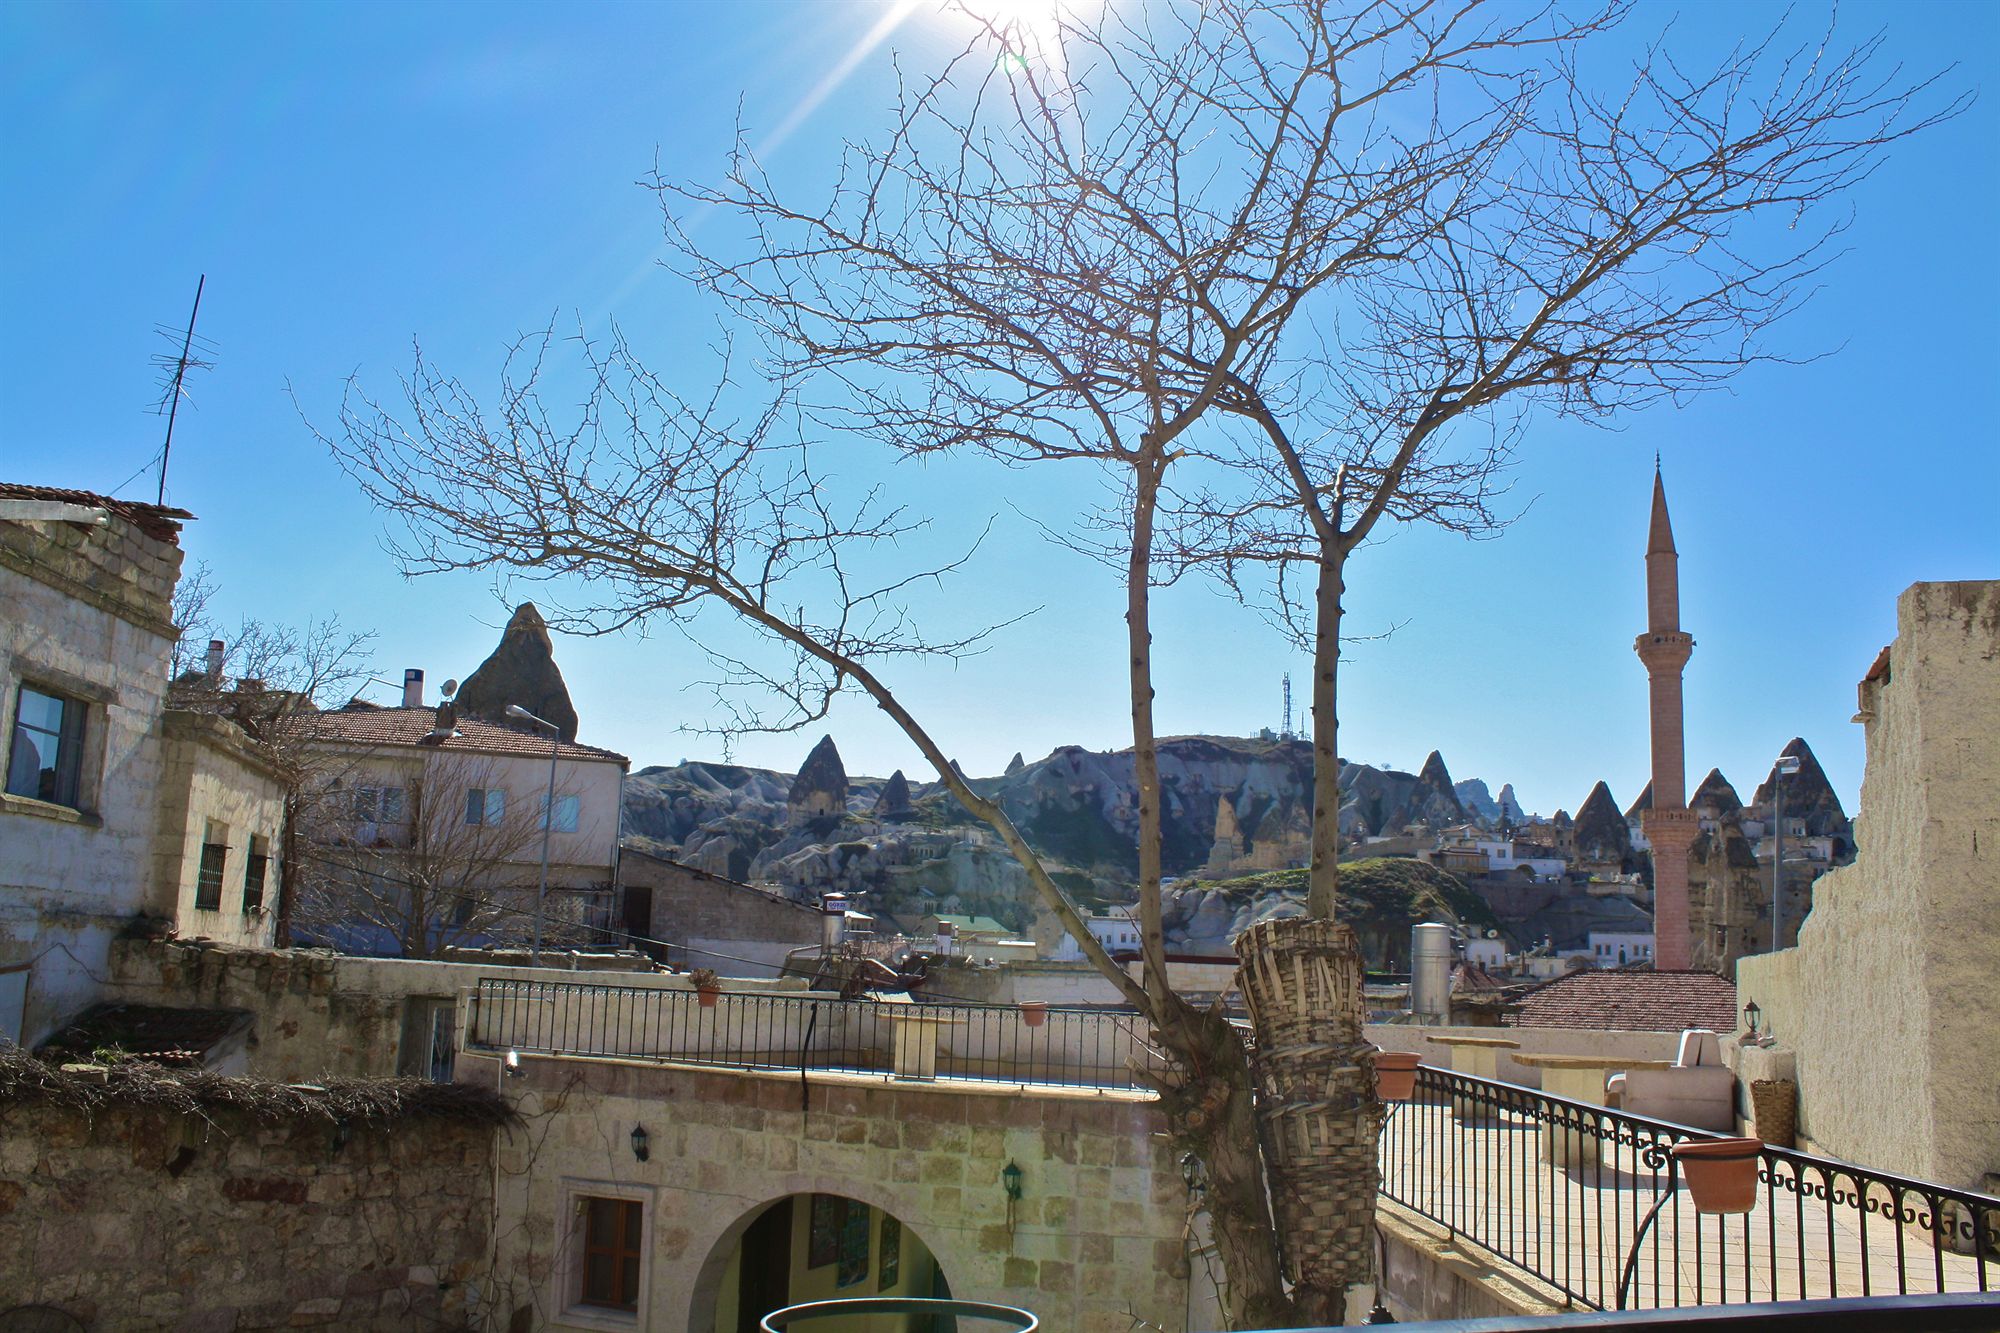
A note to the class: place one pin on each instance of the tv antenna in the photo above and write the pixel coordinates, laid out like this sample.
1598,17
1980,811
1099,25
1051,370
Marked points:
173,375
1287,733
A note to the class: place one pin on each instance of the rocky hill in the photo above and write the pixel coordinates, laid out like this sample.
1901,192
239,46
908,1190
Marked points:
1381,897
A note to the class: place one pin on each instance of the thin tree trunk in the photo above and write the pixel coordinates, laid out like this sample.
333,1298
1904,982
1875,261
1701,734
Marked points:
1145,746
1323,879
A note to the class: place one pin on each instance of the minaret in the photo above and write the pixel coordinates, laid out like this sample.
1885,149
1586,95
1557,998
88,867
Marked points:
1670,827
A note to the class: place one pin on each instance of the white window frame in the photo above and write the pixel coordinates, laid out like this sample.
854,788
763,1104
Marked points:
568,812
571,1312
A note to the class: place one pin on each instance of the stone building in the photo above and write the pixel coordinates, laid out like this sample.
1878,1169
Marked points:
1886,1009
219,839
690,918
86,635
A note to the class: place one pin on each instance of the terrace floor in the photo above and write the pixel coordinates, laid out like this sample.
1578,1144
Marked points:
1572,1224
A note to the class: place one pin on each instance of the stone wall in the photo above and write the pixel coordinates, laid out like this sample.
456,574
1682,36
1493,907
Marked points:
1534,1041
143,1219
709,921
1097,1234
85,614
1889,1001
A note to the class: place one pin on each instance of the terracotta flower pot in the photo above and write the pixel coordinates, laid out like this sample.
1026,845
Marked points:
1034,1012
1396,1075
708,995
1721,1174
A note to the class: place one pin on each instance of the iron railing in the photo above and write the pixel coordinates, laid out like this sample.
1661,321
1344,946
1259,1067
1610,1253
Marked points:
746,1030
1561,1188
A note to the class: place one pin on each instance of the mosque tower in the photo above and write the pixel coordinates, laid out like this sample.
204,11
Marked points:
1670,827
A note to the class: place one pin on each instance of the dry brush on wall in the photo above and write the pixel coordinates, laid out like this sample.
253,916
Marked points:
139,1198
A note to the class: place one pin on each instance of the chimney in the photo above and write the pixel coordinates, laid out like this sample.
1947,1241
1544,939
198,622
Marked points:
214,672
413,688
832,922
944,934
1430,972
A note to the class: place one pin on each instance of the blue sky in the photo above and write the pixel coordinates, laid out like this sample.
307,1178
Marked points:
353,178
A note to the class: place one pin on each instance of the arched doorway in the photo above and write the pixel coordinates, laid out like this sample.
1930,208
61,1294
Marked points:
812,1247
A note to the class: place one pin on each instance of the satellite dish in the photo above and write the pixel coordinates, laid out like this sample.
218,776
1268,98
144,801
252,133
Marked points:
450,688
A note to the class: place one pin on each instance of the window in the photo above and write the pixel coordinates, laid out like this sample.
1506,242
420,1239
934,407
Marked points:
485,806
255,866
208,881
612,1230
45,760
378,805
565,814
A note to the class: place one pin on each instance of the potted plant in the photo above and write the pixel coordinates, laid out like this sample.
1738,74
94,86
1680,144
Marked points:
1034,1012
706,986
1721,1174
1396,1075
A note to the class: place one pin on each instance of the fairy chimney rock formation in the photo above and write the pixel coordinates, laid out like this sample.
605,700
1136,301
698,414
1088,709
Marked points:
1435,801
820,789
1017,763
1600,834
521,671
1808,795
1716,796
895,797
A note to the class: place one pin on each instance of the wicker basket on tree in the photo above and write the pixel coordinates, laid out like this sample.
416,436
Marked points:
1301,981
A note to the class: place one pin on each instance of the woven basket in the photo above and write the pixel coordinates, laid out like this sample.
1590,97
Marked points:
1301,981
1775,1104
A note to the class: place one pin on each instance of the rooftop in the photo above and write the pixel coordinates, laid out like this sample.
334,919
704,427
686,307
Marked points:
160,522
1631,1000
412,726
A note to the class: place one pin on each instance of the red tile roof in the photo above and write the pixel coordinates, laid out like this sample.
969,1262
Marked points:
409,726
156,521
1631,1000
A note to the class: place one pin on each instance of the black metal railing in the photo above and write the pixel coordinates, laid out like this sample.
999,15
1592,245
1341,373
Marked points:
1090,1048
1561,1188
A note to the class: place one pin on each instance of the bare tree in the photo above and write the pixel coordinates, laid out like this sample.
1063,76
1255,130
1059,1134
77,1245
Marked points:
1282,272
414,865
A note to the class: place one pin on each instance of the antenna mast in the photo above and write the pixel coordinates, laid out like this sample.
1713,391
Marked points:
180,366
1287,733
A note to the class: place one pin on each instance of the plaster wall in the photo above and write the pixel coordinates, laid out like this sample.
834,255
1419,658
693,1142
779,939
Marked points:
243,1225
1096,1239
1534,1041
211,780
1889,1001
709,921
84,612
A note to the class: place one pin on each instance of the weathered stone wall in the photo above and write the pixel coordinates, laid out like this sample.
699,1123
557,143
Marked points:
85,613
1097,1234
713,922
1534,1041
139,1219
1889,1000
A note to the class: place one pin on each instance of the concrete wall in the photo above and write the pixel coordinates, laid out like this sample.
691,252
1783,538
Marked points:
85,612
1889,1002
1097,1234
212,778
131,1219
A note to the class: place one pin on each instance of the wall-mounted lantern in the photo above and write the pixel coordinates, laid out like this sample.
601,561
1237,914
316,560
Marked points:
1010,1180
641,1143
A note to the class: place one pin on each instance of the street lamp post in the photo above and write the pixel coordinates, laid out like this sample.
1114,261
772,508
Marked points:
1787,765
548,814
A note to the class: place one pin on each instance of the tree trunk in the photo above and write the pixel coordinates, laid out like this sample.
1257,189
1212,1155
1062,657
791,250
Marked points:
1145,746
1323,879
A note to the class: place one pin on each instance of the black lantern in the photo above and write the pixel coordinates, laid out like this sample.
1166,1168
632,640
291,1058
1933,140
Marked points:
1010,1176
641,1148
1751,1013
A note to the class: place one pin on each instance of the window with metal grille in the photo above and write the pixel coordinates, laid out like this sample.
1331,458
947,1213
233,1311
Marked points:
611,1236
208,882
45,762
255,867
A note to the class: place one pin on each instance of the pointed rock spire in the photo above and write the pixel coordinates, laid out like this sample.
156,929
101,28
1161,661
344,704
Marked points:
1716,794
1601,832
521,671
821,785
895,796
1808,794
1016,764
1642,805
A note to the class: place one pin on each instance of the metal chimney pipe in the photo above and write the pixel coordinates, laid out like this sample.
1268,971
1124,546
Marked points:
1430,972
413,688
832,922
214,671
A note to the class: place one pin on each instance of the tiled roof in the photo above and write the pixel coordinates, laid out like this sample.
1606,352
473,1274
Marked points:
149,1032
156,521
1631,1000
409,726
